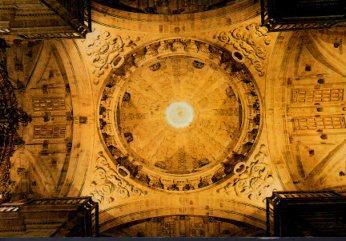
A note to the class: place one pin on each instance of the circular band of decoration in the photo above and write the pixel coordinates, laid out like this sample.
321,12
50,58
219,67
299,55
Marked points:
179,114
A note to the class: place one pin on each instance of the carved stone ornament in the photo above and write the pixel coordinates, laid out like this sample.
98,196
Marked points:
103,49
251,42
109,183
253,179
179,114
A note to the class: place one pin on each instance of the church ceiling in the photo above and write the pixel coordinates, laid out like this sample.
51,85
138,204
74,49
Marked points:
203,116
41,76
48,137
312,103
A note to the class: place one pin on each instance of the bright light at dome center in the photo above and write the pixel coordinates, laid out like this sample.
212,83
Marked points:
179,114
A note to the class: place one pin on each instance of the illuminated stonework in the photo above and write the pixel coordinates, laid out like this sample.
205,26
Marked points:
173,136
182,118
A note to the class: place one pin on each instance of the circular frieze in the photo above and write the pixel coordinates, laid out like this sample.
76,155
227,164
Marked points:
179,114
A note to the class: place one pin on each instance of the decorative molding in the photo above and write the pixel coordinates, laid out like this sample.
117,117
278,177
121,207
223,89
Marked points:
253,179
110,183
250,41
104,50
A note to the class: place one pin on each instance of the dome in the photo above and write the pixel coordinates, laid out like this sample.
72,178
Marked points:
176,115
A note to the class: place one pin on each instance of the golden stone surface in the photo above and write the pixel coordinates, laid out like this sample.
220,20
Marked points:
184,120
268,115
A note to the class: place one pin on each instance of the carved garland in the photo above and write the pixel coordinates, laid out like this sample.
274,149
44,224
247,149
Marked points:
109,183
122,68
253,179
251,41
103,49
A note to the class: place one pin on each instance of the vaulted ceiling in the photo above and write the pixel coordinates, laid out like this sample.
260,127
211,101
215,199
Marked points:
181,125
